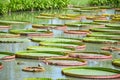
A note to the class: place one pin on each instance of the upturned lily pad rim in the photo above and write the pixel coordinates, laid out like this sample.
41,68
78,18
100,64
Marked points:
9,55
92,76
89,52
83,62
106,55
30,31
71,59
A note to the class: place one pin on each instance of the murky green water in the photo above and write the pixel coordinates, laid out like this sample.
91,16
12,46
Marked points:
13,71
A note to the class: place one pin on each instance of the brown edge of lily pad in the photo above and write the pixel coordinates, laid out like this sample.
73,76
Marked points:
46,61
75,55
110,48
81,32
33,69
39,35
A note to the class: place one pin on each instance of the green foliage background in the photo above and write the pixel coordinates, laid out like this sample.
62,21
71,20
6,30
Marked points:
23,5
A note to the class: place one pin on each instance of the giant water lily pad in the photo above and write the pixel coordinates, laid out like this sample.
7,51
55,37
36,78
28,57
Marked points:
91,72
110,30
99,40
116,62
45,17
77,32
48,14
50,26
12,22
112,25
69,18
65,61
102,21
13,40
91,55
50,48
54,40
74,45
32,32
40,54
8,35
6,55
104,34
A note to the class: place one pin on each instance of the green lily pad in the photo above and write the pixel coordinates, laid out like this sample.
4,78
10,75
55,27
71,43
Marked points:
91,72
6,55
63,44
49,48
112,25
110,30
12,22
103,34
116,62
102,21
54,40
13,40
8,35
40,54
44,17
99,40
32,32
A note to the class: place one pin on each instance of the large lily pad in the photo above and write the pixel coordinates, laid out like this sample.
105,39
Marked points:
8,35
112,25
45,17
6,55
12,22
110,30
99,40
116,62
91,55
40,54
91,72
54,40
49,48
32,32
13,40
74,45
104,34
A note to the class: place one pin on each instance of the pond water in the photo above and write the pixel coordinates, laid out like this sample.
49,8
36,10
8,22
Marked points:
13,71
